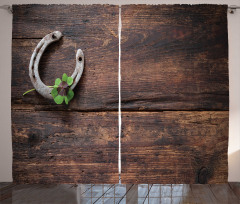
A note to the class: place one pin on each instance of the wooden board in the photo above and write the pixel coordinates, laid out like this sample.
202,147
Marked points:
203,193
79,21
118,193
94,29
174,57
175,147
65,147
224,193
58,143
235,187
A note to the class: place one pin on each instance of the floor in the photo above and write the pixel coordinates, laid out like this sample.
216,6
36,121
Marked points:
120,193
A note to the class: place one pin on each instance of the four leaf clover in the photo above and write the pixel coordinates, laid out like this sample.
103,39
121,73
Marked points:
61,90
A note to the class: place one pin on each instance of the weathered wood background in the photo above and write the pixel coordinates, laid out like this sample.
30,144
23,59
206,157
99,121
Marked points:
175,95
175,147
93,28
174,59
57,143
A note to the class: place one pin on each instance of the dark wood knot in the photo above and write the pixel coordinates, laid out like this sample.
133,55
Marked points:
202,175
33,138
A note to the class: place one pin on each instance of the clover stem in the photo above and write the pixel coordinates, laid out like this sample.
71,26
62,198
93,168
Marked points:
29,91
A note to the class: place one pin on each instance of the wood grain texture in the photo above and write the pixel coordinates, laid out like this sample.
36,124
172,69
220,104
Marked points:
203,193
93,28
224,193
174,146
57,143
174,57
118,193
235,187
35,20
64,147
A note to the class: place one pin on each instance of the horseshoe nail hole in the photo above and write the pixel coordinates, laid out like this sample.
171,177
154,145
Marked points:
54,36
80,59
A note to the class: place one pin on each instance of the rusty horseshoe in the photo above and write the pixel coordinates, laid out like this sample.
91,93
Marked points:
40,87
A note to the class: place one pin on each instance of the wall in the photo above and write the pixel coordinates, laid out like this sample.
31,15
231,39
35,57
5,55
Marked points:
5,78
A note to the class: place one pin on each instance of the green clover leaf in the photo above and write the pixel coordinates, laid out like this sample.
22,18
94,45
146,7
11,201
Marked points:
70,95
64,77
58,81
61,90
54,92
66,99
58,99
69,81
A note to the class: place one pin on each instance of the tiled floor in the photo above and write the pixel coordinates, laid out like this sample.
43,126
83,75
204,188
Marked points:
120,193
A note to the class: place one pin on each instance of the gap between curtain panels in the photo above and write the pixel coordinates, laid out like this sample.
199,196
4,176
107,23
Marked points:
119,94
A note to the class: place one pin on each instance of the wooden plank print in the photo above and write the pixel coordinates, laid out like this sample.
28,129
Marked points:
65,147
174,57
175,95
57,143
94,29
175,147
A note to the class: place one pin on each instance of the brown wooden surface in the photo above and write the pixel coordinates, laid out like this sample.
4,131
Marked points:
224,194
118,193
203,193
57,143
174,57
65,147
79,21
94,29
235,188
174,146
